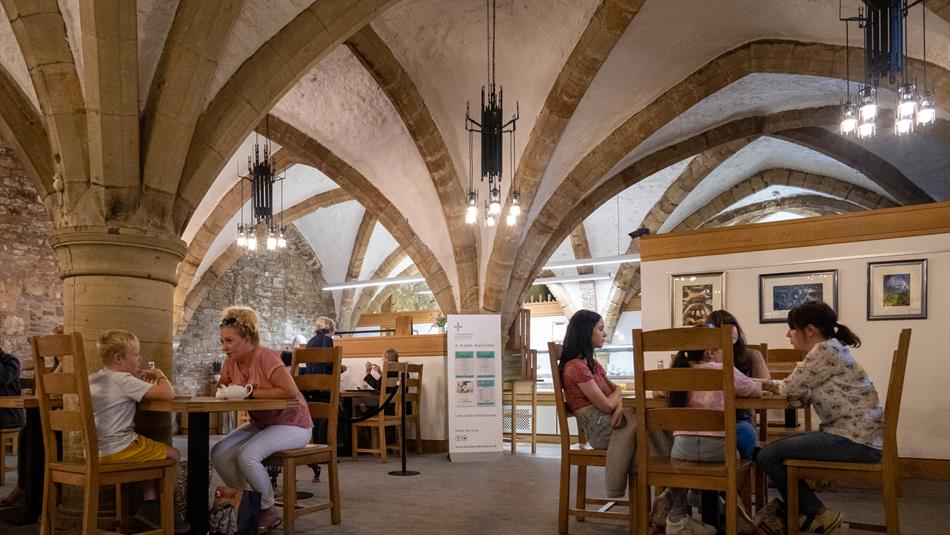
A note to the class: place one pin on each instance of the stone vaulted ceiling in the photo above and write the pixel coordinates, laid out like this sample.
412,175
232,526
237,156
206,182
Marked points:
669,114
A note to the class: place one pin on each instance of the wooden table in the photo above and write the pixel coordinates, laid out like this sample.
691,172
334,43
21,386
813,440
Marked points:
345,435
198,409
26,401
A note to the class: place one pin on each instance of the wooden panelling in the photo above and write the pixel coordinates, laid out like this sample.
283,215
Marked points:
420,345
387,320
938,469
918,220
538,310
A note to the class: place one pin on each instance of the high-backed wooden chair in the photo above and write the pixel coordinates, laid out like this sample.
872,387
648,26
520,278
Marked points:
519,392
379,423
668,472
581,455
86,473
884,473
310,454
414,400
781,363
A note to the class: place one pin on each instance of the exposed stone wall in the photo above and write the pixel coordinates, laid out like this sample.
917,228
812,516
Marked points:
31,293
282,289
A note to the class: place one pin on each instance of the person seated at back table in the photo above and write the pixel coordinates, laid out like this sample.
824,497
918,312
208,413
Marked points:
10,386
115,390
374,375
323,337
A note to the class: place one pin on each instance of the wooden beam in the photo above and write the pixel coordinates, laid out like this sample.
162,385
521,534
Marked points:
905,221
387,320
420,345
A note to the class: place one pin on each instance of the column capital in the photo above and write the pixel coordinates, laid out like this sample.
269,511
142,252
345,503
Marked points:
117,251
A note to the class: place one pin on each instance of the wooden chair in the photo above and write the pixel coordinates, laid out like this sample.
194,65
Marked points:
7,437
87,473
289,460
582,456
781,363
885,473
668,472
379,423
414,400
523,391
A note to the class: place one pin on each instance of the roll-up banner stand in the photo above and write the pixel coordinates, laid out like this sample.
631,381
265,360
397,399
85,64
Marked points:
473,378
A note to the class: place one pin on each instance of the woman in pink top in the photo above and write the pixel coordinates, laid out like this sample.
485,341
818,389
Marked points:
239,456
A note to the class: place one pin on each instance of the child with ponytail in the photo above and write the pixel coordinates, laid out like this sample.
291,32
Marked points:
844,397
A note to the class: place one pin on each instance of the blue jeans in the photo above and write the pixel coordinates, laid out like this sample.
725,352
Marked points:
747,437
813,446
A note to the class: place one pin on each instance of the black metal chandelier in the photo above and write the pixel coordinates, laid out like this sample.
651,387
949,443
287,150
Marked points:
261,174
885,54
492,130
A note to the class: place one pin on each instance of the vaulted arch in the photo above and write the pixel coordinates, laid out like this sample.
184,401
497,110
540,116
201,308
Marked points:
24,130
360,244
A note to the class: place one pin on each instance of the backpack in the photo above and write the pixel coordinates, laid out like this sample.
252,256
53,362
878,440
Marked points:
234,512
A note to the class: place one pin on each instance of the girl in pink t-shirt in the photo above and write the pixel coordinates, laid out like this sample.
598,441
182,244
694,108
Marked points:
239,456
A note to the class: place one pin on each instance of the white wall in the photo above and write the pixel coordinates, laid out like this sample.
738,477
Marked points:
924,429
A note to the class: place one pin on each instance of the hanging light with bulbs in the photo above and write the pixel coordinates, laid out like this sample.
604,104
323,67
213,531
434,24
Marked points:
262,168
491,130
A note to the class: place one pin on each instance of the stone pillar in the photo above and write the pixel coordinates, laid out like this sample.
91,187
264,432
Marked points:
118,278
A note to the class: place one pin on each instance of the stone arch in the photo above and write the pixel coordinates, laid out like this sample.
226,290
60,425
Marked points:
256,87
396,83
360,244
605,28
353,182
22,127
810,205
377,302
770,56
365,295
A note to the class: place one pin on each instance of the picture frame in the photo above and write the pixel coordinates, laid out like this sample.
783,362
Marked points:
781,292
897,290
693,296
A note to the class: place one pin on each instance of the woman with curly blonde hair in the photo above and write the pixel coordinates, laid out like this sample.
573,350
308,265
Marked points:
239,456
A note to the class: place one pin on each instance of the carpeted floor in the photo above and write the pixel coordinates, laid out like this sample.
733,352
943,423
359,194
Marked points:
519,495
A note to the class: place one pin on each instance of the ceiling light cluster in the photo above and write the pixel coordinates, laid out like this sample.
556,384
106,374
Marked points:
885,54
261,169
491,129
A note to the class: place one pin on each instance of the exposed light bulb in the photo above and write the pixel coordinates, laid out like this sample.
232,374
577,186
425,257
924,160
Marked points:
282,242
848,125
271,243
494,208
511,219
926,113
490,220
471,214
252,244
903,126
515,208
242,240
868,112
866,129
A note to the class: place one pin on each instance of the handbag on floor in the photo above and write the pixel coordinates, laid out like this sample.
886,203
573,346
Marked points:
234,512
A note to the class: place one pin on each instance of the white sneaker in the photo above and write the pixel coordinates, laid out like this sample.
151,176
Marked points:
688,526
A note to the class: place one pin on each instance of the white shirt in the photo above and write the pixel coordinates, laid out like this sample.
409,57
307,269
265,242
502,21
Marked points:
114,395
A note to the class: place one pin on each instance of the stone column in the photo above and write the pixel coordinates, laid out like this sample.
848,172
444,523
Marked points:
118,278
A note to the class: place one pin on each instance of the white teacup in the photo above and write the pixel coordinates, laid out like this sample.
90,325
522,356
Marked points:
234,391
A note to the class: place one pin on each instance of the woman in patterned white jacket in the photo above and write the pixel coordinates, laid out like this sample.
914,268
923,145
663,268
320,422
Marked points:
843,397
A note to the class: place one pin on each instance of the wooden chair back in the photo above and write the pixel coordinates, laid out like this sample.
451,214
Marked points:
895,390
326,382
414,387
390,380
49,386
554,350
781,362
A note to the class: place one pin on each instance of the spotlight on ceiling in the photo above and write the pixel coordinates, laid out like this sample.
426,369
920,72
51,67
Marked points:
642,231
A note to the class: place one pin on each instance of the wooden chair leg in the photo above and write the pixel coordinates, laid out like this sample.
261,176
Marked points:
48,512
581,499
565,490
732,504
761,490
168,499
632,505
333,469
791,517
417,426
381,435
90,506
891,483
120,506
290,496
643,507
354,440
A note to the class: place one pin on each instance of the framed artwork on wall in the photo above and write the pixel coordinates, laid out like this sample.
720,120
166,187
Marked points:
897,290
694,296
781,292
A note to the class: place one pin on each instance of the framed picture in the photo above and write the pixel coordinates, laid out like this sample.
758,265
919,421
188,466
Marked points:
781,292
694,296
897,290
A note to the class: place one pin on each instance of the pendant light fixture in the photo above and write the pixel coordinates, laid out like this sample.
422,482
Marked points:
262,167
491,130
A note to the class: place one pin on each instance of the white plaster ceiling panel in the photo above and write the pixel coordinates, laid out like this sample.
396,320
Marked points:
400,267
775,192
605,235
381,245
669,40
340,105
12,60
764,153
442,46
154,21
574,293
922,157
565,251
70,11
331,232
227,178
258,22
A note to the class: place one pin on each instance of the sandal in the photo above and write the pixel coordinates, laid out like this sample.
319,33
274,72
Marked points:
261,530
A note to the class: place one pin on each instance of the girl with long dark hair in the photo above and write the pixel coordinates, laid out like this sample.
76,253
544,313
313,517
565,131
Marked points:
843,396
751,363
